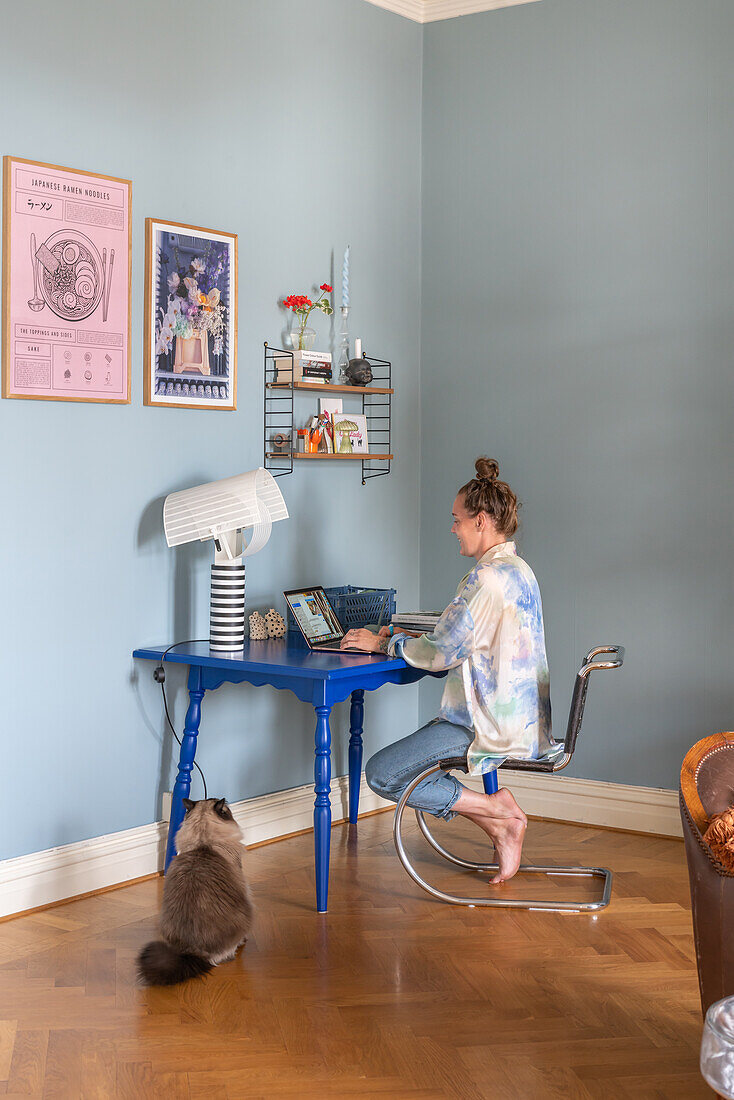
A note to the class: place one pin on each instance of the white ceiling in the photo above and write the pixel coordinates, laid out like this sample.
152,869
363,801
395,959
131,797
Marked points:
428,11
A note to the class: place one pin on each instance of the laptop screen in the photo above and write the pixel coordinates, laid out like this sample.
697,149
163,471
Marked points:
315,615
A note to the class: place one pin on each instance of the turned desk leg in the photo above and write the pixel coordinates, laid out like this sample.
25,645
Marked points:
356,723
322,806
185,761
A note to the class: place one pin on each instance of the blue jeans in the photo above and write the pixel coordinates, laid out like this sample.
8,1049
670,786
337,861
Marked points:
391,769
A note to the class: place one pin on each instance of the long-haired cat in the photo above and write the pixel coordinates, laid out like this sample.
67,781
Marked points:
207,911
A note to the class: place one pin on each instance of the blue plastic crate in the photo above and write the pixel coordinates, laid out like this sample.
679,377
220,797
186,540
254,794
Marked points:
356,607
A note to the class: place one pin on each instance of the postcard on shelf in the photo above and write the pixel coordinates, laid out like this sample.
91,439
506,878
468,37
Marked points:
331,405
350,434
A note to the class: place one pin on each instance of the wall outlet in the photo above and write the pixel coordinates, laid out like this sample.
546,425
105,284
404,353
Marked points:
166,805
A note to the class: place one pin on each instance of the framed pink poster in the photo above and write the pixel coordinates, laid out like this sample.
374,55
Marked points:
66,284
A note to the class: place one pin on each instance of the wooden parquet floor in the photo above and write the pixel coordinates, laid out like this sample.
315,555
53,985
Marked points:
391,994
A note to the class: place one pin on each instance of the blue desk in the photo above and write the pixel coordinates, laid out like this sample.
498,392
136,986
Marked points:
321,679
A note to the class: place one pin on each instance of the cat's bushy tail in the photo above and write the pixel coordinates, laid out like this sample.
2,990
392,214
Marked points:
160,964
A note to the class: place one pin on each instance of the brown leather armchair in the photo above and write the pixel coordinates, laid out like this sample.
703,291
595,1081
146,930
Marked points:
707,788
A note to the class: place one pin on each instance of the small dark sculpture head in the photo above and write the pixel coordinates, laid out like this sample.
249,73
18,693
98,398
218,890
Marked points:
358,372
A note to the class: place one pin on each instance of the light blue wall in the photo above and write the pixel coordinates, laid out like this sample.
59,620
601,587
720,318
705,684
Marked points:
297,127
578,281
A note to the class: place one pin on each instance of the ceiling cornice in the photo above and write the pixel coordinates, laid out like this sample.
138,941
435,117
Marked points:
429,11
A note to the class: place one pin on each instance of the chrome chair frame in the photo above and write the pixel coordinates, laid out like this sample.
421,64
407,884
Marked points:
576,713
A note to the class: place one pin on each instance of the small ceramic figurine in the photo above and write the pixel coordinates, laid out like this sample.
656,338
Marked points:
258,627
359,372
275,624
343,428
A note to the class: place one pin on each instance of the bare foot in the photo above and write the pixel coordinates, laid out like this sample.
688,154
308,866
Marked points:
502,804
508,837
500,817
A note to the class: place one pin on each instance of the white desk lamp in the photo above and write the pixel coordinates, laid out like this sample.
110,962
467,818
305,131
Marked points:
219,511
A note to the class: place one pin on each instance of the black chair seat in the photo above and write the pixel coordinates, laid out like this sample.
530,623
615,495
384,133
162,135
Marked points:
531,765
547,763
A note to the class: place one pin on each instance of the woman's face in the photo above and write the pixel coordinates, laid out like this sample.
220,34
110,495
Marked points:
468,529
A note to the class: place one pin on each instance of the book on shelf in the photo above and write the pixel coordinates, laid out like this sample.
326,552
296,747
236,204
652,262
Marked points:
308,366
306,376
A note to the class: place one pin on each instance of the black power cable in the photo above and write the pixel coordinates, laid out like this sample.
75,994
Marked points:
159,676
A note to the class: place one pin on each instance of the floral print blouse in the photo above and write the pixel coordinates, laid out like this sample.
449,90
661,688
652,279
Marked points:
491,640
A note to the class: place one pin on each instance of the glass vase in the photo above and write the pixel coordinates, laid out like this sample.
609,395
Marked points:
302,340
343,362
717,1047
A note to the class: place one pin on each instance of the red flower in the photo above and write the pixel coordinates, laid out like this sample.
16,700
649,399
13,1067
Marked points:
297,301
326,287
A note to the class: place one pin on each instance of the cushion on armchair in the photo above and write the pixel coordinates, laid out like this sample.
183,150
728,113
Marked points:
720,837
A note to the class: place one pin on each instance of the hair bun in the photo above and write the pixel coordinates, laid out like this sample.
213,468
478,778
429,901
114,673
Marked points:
487,469
486,493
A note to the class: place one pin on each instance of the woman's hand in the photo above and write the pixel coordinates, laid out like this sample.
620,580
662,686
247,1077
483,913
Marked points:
384,632
364,640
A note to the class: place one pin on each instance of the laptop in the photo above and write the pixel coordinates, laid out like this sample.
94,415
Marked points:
318,621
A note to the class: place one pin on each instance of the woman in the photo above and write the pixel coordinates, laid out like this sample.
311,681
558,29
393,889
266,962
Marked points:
496,701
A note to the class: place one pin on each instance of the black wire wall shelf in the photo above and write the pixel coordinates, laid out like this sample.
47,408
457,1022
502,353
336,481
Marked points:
279,427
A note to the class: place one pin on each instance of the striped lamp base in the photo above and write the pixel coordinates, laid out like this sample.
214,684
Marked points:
227,607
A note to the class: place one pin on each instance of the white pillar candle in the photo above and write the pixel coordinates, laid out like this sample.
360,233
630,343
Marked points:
357,348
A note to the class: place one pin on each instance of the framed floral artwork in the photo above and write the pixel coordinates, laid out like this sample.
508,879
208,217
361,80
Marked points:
190,316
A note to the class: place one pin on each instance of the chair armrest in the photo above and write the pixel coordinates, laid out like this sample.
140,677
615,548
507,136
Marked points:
590,664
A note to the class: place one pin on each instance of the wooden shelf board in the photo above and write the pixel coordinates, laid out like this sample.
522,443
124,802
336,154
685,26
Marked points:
370,456
326,387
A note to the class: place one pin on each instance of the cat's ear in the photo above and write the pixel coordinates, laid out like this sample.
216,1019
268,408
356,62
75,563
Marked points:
220,807
188,804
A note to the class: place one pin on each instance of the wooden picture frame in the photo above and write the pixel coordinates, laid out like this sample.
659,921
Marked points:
185,367
67,243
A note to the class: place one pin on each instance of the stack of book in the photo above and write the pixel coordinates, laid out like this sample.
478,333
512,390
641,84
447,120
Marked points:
421,622
308,366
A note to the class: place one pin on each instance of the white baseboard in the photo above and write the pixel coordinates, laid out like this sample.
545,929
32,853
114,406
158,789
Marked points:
42,878
591,802
284,812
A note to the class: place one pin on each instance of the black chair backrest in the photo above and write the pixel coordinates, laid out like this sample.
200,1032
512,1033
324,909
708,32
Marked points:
576,713
581,686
